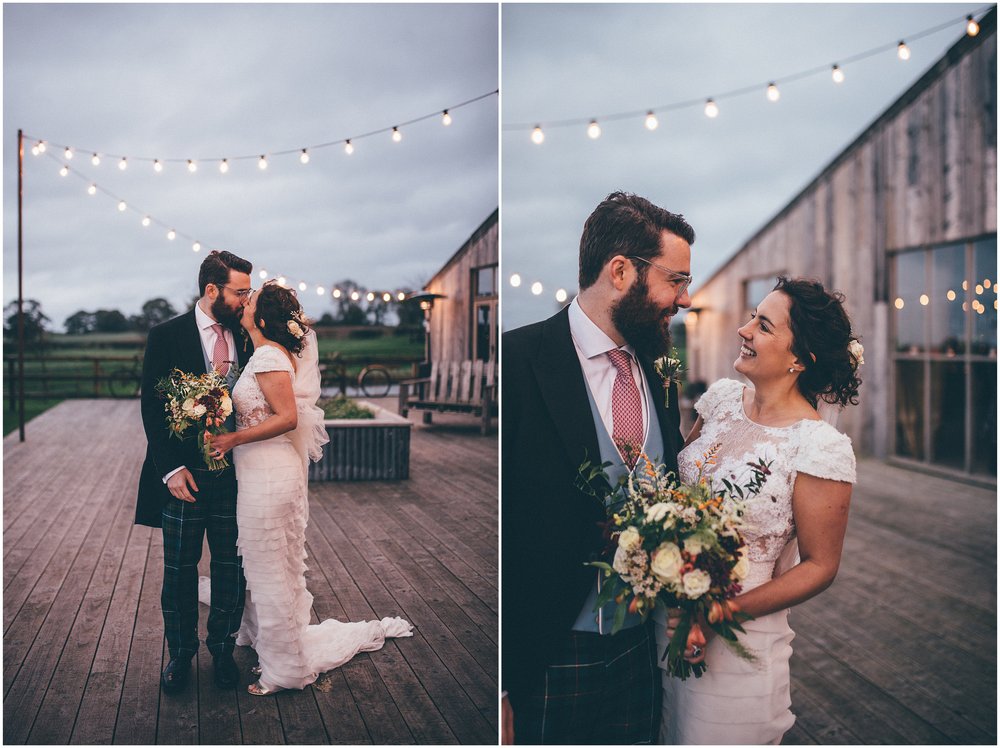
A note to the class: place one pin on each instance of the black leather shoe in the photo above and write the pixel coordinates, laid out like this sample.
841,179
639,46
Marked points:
175,676
226,673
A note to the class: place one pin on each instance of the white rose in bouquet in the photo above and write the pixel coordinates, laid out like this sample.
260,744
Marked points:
699,541
666,563
226,406
696,583
629,539
657,512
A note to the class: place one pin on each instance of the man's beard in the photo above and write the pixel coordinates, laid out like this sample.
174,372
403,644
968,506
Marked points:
641,323
225,315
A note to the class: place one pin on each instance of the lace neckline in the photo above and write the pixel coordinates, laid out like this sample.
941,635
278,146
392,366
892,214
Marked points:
741,411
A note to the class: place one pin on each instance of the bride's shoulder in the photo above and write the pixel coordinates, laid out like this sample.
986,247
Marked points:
825,452
722,395
270,358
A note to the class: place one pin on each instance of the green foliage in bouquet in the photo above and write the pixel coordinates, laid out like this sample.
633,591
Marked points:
677,545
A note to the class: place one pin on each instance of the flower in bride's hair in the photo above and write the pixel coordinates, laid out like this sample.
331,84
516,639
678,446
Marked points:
857,352
294,329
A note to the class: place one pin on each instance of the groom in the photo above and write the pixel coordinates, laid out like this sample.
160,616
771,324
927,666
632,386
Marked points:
178,493
581,385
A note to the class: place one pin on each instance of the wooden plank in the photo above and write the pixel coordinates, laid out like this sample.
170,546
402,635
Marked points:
61,701
95,722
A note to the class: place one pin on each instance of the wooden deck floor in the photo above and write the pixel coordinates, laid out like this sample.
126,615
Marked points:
901,649
83,634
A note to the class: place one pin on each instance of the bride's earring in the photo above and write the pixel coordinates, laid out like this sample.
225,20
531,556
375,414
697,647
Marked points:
791,369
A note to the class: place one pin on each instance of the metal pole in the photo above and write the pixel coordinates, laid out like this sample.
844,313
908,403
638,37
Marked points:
20,286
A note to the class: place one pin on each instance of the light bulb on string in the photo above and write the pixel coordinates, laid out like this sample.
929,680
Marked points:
68,153
282,281
400,296
445,118
123,164
651,122
561,295
387,296
515,280
773,94
355,296
711,109
370,296
122,206
41,146
262,274
337,293
157,166
171,235
95,160
262,162
902,51
320,290
396,135
348,147
838,74
35,150
593,130
192,166
537,136
196,247
304,156
146,221
92,190
224,165
64,171
971,27
302,286
536,288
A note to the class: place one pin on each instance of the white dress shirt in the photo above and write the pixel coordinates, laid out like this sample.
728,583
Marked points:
592,345
207,334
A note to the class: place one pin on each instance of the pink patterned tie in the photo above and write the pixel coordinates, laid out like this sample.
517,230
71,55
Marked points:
220,354
626,409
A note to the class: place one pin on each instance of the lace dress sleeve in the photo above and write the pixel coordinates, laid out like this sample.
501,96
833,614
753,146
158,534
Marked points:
826,453
717,398
268,358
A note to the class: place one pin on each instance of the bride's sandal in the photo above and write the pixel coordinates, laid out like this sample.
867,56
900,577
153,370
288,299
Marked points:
256,670
256,689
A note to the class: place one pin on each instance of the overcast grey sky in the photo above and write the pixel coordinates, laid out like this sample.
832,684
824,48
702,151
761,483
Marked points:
211,81
727,175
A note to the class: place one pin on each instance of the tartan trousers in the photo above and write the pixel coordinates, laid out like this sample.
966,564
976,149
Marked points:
597,690
184,528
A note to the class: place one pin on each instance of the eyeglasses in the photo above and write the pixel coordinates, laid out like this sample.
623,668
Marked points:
681,280
243,293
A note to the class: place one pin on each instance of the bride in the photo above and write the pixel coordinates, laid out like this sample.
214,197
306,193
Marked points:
797,351
279,428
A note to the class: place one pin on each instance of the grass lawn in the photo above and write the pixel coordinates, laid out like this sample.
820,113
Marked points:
32,408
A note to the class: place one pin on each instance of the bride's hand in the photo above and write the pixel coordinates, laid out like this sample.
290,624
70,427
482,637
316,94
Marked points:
221,443
698,637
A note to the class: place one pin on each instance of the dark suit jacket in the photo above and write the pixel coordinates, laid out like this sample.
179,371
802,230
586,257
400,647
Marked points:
550,528
174,344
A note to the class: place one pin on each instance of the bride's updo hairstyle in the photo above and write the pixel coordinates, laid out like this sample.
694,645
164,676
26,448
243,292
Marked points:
822,338
279,317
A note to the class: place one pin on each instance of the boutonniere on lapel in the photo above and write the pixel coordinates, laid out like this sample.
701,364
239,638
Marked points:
669,369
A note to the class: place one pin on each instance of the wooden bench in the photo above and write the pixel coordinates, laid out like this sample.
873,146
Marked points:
453,387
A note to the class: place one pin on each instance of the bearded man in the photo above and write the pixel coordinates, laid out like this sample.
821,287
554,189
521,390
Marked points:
581,385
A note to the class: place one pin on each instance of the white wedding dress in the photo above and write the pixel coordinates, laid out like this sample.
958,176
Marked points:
271,512
737,701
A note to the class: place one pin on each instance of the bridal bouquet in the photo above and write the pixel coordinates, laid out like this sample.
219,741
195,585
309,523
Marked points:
677,545
200,400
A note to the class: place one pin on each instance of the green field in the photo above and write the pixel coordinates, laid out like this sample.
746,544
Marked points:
82,365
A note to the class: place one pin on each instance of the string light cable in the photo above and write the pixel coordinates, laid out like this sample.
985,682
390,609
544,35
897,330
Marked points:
355,293
770,86
41,145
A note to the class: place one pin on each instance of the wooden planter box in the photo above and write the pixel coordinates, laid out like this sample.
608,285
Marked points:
365,449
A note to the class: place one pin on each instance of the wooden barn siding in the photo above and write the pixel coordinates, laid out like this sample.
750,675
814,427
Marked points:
451,319
926,176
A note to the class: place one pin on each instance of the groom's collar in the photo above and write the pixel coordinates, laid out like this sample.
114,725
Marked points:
590,340
201,319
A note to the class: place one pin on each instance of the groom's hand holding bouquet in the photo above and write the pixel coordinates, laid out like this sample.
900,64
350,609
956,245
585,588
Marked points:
676,545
